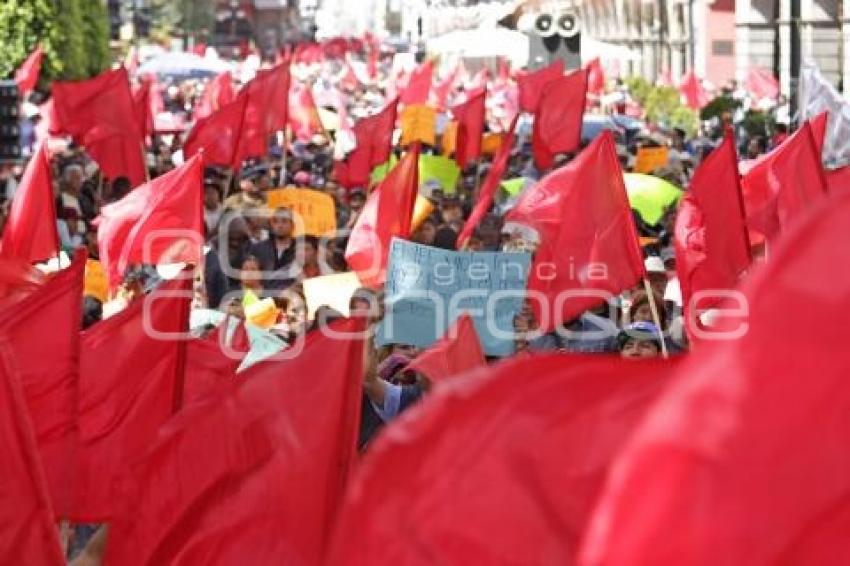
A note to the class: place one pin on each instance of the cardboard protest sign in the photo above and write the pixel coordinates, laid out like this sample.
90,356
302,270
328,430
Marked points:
315,210
449,139
440,169
94,282
428,288
418,124
650,158
332,290
491,143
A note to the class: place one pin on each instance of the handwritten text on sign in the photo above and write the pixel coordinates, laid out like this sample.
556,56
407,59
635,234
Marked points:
428,288
315,210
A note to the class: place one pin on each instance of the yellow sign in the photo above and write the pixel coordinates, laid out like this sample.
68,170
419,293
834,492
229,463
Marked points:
262,313
650,158
491,143
422,209
449,141
315,211
418,123
95,284
331,290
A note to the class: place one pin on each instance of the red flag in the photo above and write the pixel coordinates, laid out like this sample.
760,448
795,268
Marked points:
470,127
762,84
219,134
373,136
42,335
30,231
99,114
124,398
217,94
143,106
387,214
693,92
743,459
588,242
266,112
595,77
303,115
348,79
256,475
27,74
476,469
457,352
443,89
160,222
211,362
419,85
18,278
200,49
29,534
784,183
558,119
532,85
710,237
489,186
838,179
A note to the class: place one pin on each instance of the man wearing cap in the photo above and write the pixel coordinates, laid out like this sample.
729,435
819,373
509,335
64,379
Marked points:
250,195
277,253
639,340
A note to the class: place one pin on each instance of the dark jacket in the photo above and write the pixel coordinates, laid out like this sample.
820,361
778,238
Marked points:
278,272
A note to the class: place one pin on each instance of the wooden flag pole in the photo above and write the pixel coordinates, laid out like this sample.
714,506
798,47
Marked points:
655,318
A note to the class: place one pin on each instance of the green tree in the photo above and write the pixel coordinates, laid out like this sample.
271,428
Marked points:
96,35
170,18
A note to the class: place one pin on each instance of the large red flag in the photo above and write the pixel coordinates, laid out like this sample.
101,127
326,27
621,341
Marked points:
743,459
211,362
30,231
42,338
217,94
99,114
373,136
28,534
27,74
502,466
557,122
18,278
838,179
160,222
419,86
595,76
303,115
693,92
219,134
458,351
266,112
712,247
588,243
784,183
489,186
131,380
532,85
470,127
256,475
387,214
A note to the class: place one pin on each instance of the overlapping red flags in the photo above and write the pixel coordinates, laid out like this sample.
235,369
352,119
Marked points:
255,475
489,186
147,103
160,222
743,460
500,467
710,237
693,92
458,351
588,243
212,361
419,86
595,77
470,127
40,348
27,74
131,380
217,94
532,85
30,231
387,214
558,119
303,115
784,183
373,137
219,135
100,116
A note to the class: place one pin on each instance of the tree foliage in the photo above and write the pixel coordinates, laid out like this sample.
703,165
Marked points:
96,39
663,105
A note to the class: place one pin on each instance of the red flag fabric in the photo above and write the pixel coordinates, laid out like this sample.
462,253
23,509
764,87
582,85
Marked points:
256,475
143,106
470,127
374,137
419,85
588,243
27,74
30,231
160,222
761,83
475,469
743,459
18,278
386,214
532,85
29,533
710,236
217,94
266,112
557,122
443,89
693,92
595,77
303,115
99,114
489,186
124,398
41,337
838,179
211,362
219,134
457,352
784,183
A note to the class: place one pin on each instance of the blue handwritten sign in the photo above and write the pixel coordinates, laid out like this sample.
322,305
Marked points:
428,288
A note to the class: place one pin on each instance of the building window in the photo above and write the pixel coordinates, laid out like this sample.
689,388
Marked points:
722,47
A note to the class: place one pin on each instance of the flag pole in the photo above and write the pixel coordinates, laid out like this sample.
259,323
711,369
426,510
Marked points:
145,162
655,318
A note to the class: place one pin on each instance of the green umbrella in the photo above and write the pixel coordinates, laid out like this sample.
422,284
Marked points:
650,196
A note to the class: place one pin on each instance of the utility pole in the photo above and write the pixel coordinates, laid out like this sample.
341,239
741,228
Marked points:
794,29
